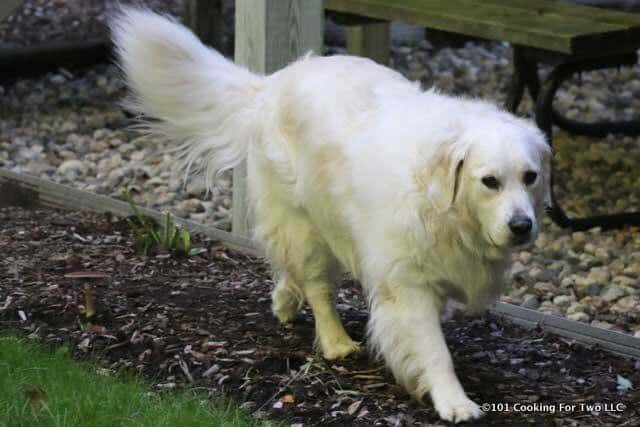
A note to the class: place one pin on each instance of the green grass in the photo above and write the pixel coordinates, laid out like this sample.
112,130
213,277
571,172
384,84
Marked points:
47,388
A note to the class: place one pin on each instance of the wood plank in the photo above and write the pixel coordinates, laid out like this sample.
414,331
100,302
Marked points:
269,35
474,18
31,191
571,9
616,342
7,7
205,19
27,61
371,40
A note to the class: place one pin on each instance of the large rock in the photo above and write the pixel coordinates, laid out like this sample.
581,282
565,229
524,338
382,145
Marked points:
633,269
530,301
579,317
629,305
577,307
612,292
595,302
188,207
599,275
546,288
562,300
625,281
72,168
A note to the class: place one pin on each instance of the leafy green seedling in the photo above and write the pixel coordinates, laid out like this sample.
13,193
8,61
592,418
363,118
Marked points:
148,235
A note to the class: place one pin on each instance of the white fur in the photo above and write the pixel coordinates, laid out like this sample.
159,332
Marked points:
351,167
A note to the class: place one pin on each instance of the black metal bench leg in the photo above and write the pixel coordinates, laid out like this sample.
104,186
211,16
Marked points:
517,83
525,75
544,119
594,129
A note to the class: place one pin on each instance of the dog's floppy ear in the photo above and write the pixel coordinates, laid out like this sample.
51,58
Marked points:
543,195
443,181
546,156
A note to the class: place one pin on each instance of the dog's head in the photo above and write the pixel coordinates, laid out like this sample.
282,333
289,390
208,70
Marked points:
495,178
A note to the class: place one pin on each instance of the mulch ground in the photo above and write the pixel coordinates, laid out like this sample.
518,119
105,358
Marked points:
204,322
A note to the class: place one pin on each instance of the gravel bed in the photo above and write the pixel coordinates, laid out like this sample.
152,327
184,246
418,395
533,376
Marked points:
68,127
66,20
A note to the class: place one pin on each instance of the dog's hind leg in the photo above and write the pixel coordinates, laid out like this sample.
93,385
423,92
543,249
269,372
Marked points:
331,337
308,269
287,299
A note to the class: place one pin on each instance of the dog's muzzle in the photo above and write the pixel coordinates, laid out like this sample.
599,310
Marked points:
520,226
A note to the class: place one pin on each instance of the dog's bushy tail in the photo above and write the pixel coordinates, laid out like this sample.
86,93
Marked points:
189,93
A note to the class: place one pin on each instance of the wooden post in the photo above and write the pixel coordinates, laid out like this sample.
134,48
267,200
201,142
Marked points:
205,19
7,7
371,40
269,35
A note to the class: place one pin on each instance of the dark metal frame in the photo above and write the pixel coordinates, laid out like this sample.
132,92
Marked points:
526,62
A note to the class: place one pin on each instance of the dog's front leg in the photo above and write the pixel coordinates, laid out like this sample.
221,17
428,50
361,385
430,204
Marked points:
405,327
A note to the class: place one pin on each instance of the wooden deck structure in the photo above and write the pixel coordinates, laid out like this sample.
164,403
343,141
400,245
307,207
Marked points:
7,7
269,35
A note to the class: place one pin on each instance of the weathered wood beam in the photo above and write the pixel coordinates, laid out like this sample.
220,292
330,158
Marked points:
30,192
205,19
269,35
7,7
548,25
615,342
23,61
371,40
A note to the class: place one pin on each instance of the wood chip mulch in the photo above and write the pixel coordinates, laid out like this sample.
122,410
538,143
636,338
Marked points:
204,322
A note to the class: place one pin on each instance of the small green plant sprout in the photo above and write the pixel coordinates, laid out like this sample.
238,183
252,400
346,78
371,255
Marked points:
148,235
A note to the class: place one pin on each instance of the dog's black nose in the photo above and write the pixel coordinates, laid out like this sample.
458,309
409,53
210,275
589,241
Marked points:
520,225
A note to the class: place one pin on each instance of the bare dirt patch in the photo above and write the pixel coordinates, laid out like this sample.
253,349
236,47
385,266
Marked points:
205,322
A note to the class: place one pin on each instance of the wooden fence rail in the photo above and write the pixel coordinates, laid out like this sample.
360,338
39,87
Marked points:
31,192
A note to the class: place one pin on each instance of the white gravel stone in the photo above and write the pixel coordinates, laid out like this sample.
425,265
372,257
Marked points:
612,293
626,305
517,268
576,307
625,281
603,325
579,237
72,168
602,254
550,308
633,269
530,301
579,317
545,287
189,206
562,300
525,257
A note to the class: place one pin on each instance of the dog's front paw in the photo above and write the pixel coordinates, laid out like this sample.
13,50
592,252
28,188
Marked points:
458,409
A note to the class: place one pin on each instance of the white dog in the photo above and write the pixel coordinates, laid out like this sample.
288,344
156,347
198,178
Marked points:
352,167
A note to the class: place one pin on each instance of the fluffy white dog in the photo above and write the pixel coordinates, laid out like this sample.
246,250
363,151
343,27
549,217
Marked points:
418,195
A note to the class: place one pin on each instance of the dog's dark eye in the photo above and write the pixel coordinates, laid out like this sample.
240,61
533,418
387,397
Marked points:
530,177
491,182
